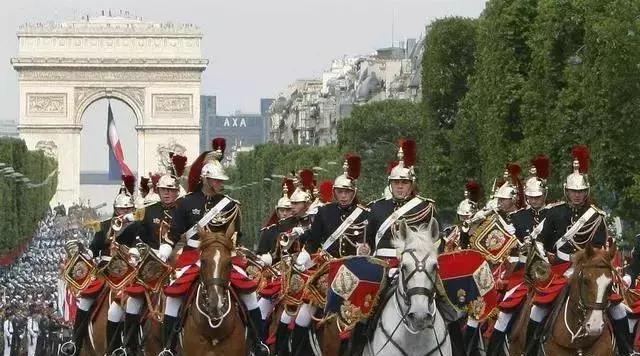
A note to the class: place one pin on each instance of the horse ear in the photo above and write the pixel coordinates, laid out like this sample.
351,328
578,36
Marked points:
403,229
434,230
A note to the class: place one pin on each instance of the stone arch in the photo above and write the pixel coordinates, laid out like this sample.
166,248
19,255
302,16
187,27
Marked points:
132,97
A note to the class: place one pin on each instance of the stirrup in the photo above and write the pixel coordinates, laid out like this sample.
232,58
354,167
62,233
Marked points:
68,344
166,352
258,346
120,351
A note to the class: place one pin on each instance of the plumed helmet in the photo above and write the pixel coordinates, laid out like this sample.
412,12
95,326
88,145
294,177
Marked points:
404,168
536,185
351,166
472,193
171,179
579,180
512,188
213,168
124,199
304,187
287,190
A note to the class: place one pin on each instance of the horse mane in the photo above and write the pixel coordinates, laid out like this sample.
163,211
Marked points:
418,238
590,256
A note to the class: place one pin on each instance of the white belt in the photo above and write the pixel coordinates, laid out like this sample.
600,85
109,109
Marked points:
514,259
193,243
386,252
563,256
105,258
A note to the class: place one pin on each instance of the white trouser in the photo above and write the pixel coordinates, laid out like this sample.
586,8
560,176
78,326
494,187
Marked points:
503,321
85,304
538,313
172,306
266,307
250,300
134,305
285,318
115,313
304,315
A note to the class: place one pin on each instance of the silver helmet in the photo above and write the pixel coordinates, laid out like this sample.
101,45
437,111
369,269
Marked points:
351,166
404,169
469,205
124,199
284,202
536,185
304,187
213,167
579,180
171,179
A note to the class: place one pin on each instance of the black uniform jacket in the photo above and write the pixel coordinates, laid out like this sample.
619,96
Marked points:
383,208
525,220
154,226
101,241
562,216
328,219
190,209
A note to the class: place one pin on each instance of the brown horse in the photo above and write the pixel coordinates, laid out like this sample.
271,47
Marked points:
581,326
95,343
213,325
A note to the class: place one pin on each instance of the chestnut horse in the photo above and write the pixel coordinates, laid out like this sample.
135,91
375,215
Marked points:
581,326
95,343
213,325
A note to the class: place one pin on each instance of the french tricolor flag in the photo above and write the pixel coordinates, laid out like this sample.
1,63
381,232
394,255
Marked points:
115,149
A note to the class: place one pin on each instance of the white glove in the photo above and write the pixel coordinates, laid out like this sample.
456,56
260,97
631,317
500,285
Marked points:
303,259
164,252
298,230
88,254
392,272
627,280
266,259
510,229
128,217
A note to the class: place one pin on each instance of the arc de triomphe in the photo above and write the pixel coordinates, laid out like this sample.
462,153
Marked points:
155,68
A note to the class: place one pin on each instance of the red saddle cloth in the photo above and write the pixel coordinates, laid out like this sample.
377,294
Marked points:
93,289
188,270
547,294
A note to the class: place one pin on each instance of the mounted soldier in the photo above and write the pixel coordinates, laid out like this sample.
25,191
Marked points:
524,221
109,231
153,223
338,229
457,236
567,228
206,207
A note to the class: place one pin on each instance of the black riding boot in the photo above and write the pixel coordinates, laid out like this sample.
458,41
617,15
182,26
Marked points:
624,342
457,340
533,338
255,333
300,345
170,328
72,348
114,340
282,340
131,330
471,341
496,343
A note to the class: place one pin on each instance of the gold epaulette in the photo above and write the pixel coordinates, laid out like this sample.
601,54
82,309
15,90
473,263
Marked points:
267,227
426,199
598,210
138,215
365,208
553,205
233,200
95,225
375,201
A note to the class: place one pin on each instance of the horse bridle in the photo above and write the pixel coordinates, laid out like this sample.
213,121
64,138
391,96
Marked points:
222,282
421,267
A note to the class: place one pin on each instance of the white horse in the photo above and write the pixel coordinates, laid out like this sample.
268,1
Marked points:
410,323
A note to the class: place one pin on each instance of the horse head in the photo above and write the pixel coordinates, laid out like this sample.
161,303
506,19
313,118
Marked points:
590,285
215,267
418,272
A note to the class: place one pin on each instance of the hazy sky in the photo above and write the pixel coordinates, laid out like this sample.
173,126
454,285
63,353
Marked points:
255,47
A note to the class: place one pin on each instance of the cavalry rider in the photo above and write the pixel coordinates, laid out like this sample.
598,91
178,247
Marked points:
524,222
116,228
153,229
206,183
269,245
457,236
569,227
339,229
405,203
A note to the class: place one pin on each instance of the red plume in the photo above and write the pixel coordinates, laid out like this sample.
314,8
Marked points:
272,219
409,150
179,164
194,172
144,185
306,179
129,183
581,153
391,165
475,190
542,164
154,180
354,162
326,191
219,143
514,170
288,182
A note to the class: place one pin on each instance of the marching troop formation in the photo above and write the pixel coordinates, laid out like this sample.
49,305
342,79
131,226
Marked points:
331,275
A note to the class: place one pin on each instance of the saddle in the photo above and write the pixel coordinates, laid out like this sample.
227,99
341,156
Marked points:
553,315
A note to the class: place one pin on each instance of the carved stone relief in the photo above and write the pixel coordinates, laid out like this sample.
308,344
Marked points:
46,104
134,94
164,162
176,104
48,147
160,75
